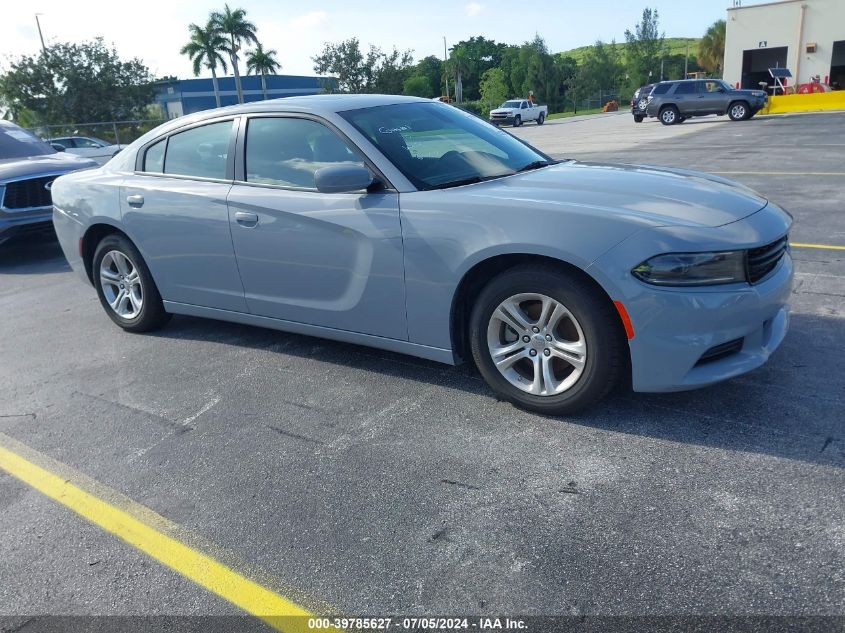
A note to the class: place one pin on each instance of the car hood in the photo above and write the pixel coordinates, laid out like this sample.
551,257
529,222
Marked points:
655,196
504,110
58,163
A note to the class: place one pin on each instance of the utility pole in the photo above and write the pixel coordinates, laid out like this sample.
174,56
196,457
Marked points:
686,62
43,47
445,72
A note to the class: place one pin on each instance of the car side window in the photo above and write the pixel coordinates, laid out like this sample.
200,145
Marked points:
86,142
685,88
524,105
64,142
201,151
288,151
661,89
154,157
710,86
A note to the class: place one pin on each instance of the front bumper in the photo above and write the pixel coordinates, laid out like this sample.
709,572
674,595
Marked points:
675,327
14,223
503,120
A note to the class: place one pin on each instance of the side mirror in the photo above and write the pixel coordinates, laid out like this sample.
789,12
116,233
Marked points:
57,147
342,178
722,90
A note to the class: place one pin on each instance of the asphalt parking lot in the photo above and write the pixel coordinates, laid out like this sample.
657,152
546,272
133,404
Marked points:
371,483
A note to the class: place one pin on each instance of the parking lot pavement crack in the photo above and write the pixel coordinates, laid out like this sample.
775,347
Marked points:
459,484
19,415
296,436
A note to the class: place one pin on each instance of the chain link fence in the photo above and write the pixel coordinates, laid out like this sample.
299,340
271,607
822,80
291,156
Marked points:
117,132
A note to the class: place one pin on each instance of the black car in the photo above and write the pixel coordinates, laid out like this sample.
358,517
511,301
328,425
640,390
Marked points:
675,101
639,102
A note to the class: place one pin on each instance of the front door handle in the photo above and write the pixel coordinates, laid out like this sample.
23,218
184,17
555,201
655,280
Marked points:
245,218
136,201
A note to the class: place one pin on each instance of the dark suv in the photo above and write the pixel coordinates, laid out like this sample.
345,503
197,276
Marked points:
675,101
639,102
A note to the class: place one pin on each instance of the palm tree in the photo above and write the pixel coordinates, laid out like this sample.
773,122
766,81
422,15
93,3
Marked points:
711,48
261,62
204,50
235,28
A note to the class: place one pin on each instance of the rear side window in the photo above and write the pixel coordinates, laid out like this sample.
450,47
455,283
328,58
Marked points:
200,151
154,158
288,151
685,88
661,89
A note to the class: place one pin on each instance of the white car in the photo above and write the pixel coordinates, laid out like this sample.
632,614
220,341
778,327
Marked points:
517,111
94,148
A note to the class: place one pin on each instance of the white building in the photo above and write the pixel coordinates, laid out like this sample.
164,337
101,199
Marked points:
805,36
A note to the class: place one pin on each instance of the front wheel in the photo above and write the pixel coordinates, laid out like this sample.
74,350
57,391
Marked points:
517,121
546,340
541,119
739,111
125,286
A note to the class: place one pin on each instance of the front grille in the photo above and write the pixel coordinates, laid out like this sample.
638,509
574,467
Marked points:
28,194
762,260
718,352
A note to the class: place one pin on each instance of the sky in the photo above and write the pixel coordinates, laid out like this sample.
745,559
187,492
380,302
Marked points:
155,30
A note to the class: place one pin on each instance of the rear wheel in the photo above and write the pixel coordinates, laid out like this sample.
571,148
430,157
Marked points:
739,111
517,121
669,115
545,340
541,119
125,287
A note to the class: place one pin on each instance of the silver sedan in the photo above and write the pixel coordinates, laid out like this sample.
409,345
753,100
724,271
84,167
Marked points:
412,226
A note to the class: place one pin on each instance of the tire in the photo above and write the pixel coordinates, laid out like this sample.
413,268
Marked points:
638,118
517,121
541,119
739,111
669,115
591,333
118,267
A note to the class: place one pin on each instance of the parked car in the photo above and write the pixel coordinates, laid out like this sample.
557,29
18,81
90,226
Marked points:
28,167
94,148
675,101
517,111
639,102
411,226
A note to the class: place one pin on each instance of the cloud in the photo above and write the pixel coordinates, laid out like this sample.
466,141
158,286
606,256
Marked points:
309,20
473,9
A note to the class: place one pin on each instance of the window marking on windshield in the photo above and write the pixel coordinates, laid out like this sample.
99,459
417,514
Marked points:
394,130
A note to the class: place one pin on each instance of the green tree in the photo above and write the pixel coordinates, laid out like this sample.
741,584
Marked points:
347,63
233,25
261,62
204,50
493,88
601,72
644,49
390,70
477,55
432,69
77,83
711,48
417,86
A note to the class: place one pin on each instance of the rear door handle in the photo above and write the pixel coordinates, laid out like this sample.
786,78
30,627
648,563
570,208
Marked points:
136,201
245,218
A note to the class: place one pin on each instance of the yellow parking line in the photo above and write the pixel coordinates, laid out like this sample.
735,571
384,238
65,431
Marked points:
145,530
826,247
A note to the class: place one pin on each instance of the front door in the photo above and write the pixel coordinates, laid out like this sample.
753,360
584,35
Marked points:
712,97
332,260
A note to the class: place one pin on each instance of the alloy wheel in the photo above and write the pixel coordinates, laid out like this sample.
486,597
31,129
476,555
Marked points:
121,284
537,344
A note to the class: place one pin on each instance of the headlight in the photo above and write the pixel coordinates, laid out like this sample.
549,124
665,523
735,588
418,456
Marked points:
693,269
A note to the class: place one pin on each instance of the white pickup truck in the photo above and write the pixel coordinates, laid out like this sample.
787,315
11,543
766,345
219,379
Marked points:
517,111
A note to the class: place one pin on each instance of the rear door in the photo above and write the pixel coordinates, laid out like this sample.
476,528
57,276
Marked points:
332,260
686,97
174,208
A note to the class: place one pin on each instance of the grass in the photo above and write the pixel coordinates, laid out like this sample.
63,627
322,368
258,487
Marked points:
674,46
563,115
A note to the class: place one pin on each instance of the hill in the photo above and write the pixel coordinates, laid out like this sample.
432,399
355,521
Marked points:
674,46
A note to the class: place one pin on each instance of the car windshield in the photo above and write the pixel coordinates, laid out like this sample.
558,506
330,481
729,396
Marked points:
511,104
437,146
16,142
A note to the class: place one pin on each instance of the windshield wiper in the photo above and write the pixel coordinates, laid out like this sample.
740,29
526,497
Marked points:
537,164
458,183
